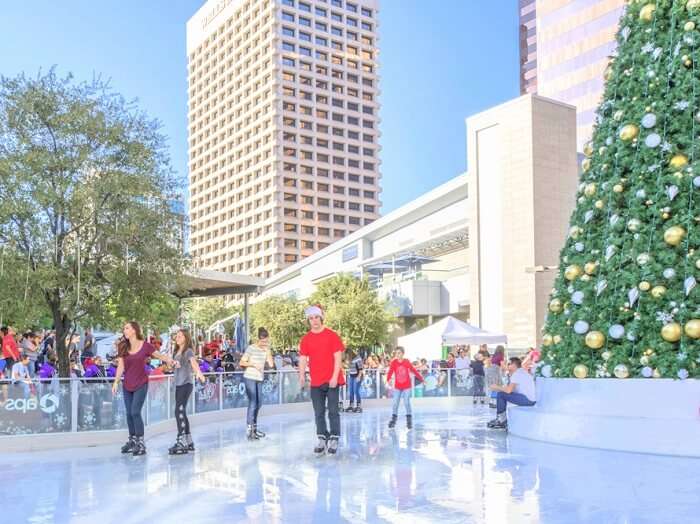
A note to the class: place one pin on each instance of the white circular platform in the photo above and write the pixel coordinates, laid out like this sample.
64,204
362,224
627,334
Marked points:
659,416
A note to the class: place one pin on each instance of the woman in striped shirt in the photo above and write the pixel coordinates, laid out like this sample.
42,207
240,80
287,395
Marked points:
253,361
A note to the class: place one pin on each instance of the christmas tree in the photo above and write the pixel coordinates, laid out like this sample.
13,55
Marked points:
626,302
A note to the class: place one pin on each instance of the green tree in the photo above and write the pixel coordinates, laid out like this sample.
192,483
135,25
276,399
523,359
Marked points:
205,311
282,317
353,310
87,195
625,302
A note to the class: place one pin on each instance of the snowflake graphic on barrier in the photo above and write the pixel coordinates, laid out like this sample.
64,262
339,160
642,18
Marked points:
61,420
89,419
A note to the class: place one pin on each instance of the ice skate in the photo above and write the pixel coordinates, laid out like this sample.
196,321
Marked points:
188,440
358,409
350,409
180,446
250,433
320,445
139,447
332,446
409,421
129,446
258,433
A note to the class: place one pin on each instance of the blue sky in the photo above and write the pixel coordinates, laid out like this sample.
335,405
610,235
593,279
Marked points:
441,61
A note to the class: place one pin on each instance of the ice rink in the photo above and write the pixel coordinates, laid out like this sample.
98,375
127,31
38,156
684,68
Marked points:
448,469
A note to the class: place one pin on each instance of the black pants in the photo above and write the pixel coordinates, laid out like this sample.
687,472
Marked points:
253,390
133,401
182,397
319,397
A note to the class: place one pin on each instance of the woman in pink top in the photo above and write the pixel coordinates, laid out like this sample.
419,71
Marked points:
133,352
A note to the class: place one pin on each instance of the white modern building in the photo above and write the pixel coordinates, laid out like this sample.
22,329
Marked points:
477,247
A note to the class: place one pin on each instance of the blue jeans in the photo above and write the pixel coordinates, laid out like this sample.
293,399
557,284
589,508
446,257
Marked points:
253,390
133,402
354,389
514,398
399,394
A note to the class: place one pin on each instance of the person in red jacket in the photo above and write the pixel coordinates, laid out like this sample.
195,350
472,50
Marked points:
322,349
401,369
10,351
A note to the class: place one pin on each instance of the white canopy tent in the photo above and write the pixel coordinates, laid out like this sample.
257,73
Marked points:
428,342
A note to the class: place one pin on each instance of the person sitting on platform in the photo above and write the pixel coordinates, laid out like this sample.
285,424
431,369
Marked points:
520,391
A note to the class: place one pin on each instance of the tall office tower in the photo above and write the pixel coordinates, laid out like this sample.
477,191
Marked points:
574,40
528,46
283,129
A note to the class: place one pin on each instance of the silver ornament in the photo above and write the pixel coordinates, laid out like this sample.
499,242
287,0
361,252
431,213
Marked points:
641,193
643,259
649,120
600,287
606,355
581,327
647,372
633,295
689,284
669,273
696,181
634,224
577,298
652,140
683,374
578,246
546,371
671,191
616,331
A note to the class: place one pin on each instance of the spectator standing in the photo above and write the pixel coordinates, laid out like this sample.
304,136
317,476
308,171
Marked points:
10,351
477,367
498,356
30,347
492,375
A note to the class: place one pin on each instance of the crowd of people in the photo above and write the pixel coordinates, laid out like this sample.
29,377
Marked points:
135,357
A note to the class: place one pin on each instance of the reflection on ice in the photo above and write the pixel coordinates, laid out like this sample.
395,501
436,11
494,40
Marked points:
449,469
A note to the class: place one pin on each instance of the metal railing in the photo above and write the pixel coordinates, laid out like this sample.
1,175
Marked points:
61,405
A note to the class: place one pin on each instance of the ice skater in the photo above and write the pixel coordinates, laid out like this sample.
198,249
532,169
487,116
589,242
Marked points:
133,351
355,376
253,360
400,369
185,367
322,350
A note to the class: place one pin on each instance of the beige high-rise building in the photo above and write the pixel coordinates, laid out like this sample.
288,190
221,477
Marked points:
523,174
569,48
283,129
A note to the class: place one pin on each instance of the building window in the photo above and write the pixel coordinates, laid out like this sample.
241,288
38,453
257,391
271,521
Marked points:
366,12
307,244
290,259
324,231
369,194
324,202
304,51
369,209
336,31
351,7
324,217
290,242
288,31
290,3
304,21
351,22
321,41
288,62
354,206
307,230
354,220
320,11
320,26
290,228
303,6
353,192
368,180
337,3
306,37
338,233
291,212
308,215
289,17
366,26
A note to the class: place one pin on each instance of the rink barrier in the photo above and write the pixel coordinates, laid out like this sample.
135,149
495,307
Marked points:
85,406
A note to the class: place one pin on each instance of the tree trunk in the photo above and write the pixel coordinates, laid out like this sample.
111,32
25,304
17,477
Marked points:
61,325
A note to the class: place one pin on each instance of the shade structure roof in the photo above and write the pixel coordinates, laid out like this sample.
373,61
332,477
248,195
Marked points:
209,283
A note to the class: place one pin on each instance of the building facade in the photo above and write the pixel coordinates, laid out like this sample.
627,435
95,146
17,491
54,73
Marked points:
523,174
573,41
283,129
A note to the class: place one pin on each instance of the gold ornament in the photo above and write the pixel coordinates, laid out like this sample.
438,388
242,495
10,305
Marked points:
586,165
588,149
644,286
692,328
599,204
595,339
665,216
621,371
555,305
618,188
629,132
671,332
678,161
656,374
585,278
658,291
647,13
608,73
602,150
648,352
590,190
580,371
692,5
556,339
674,235
689,26
575,231
590,267
572,272
547,340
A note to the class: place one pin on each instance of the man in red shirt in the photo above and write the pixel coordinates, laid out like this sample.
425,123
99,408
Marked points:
10,352
401,369
322,349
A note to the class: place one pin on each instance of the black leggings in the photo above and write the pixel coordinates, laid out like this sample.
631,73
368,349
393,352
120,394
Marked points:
182,396
133,401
